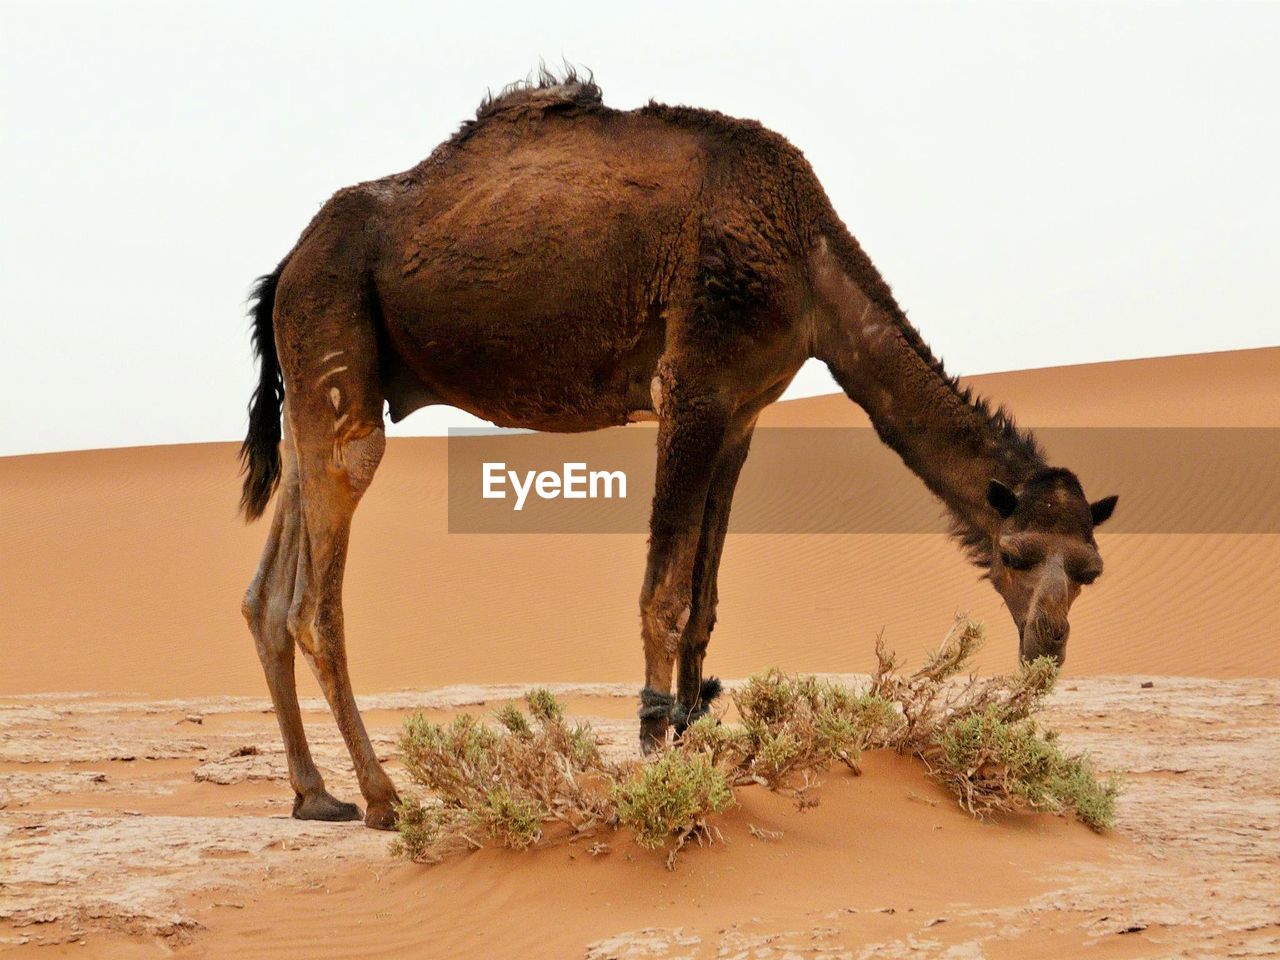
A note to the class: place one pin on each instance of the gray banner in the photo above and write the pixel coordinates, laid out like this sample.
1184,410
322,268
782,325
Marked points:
844,480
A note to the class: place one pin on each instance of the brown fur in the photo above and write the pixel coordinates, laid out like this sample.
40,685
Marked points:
562,266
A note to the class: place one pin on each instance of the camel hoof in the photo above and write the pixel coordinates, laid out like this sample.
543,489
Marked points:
381,816
653,736
321,806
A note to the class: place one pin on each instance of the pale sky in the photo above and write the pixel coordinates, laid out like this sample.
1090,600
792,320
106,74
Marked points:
1040,183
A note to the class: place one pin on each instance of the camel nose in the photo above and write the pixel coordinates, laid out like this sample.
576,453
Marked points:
1040,639
1057,651
1046,628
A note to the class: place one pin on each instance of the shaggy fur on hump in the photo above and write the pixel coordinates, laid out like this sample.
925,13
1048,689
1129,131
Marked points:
544,91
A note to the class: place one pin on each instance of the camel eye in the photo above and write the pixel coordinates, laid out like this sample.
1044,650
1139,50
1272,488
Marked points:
1086,577
1016,562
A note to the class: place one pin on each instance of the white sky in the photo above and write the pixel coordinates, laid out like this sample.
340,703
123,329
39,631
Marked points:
1041,184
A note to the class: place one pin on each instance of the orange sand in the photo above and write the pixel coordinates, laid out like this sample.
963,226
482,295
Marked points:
122,570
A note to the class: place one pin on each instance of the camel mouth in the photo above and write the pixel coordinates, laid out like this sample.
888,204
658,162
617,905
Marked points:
1033,648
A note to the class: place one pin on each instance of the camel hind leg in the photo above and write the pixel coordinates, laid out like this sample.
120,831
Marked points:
329,357
331,485
266,608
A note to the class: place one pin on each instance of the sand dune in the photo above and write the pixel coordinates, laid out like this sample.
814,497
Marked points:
122,570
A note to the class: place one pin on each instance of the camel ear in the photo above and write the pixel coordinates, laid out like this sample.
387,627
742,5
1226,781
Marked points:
1101,509
1003,500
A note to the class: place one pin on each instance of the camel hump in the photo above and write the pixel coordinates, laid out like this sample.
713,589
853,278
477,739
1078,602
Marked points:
546,92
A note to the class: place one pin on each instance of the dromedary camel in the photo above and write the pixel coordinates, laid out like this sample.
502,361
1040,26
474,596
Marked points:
562,266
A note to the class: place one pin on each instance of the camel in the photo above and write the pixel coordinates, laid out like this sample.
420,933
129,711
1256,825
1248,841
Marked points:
563,266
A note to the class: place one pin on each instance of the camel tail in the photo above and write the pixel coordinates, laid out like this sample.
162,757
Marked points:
260,452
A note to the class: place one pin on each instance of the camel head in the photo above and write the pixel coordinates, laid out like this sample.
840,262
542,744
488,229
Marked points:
1043,553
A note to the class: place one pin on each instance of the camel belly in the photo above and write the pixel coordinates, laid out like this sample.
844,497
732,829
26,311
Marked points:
560,374
551,405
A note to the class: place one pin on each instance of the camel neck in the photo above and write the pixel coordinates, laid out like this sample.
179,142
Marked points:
949,438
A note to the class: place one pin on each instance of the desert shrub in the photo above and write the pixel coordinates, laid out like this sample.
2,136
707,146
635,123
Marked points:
1076,785
996,763
513,820
500,784
792,724
672,797
429,832
715,740
978,737
505,782
503,785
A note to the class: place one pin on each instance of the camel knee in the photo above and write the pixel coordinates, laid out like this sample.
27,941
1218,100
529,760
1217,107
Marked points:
256,610
251,606
664,619
359,455
258,604
266,620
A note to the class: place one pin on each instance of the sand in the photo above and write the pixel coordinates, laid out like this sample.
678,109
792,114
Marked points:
123,569
131,829
124,820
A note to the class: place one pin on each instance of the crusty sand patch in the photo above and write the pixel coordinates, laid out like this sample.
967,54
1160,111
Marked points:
126,823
